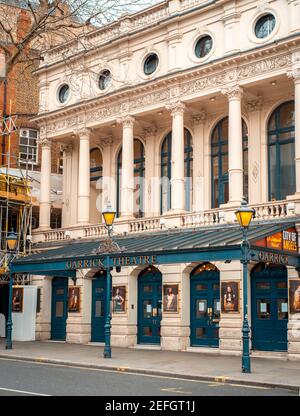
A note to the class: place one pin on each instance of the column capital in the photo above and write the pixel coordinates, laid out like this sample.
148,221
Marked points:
295,74
233,92
199,118
67,148
176,108
83,133
106,141
44,142
254,105
150,131
127,121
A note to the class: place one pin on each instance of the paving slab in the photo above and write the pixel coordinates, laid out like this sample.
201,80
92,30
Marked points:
188,365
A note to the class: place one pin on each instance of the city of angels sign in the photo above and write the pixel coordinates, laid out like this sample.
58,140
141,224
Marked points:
285,241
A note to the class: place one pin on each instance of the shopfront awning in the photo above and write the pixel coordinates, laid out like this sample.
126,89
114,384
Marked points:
221,243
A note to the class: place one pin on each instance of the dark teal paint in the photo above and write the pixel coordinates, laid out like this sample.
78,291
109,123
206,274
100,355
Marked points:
209,295
98,308
268,334
149,280
59,295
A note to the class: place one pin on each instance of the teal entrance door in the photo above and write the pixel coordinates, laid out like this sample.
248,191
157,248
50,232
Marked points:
98,308
59,308
149,307
269,307
205,306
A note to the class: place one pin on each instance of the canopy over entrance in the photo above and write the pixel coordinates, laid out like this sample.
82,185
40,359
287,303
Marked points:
274,243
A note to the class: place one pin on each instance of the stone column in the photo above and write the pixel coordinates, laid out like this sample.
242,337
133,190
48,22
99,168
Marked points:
67,185
295,74
199,170
45,185
152,188
127,168
177,169
108,183
255,148
84,177
235,144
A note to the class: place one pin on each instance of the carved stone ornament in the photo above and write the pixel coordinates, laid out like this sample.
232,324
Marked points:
84,133
150,131
176,108
106,141
44,142
67,149
127,121
255,105
107,246
199,118
294,73
233,92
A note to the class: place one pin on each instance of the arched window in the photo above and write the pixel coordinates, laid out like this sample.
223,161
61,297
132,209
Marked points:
95,164
219,162
139,175
165,171
281,152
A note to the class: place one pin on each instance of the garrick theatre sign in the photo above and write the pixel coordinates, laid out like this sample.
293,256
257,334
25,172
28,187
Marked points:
276,248
285,241
117,261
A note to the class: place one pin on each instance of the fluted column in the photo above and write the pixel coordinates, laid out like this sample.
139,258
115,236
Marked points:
67,184
127,168
45,185
177,169
199,172
295,74
235,144
83,212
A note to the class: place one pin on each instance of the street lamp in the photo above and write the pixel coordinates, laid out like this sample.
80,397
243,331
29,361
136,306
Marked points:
109,246
109,217
11,241
244,215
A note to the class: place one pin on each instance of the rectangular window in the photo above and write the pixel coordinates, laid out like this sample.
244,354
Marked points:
28,151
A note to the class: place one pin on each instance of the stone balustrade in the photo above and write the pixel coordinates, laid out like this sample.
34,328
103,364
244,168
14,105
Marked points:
127,23
266,211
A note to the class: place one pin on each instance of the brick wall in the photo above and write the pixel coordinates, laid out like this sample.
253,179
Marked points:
22,100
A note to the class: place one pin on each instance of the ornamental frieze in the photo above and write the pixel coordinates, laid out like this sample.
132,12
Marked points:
162,97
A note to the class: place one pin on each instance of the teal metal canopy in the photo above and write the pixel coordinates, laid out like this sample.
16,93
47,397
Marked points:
214,243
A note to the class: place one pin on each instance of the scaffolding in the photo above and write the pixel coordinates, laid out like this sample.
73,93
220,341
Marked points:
15,197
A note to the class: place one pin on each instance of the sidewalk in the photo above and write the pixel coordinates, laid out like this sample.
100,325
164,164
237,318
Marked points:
189,365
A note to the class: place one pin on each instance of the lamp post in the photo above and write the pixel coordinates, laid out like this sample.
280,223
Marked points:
244,215
11,240
109,216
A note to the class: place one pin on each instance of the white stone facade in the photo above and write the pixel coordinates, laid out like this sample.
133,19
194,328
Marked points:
241,77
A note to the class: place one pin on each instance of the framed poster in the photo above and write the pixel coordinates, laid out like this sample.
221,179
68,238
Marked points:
119,299
74,299
170,298
230,297
294,289
17,299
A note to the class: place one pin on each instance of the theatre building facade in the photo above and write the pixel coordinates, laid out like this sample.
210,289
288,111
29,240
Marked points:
174,115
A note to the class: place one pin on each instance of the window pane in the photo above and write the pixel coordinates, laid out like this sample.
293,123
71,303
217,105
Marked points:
33,134
59,309
99,309
263,286
282,309
201,308
264,309
272,173
287,115
287,171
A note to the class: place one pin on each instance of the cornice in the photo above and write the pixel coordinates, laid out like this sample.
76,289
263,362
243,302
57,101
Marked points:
161,92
